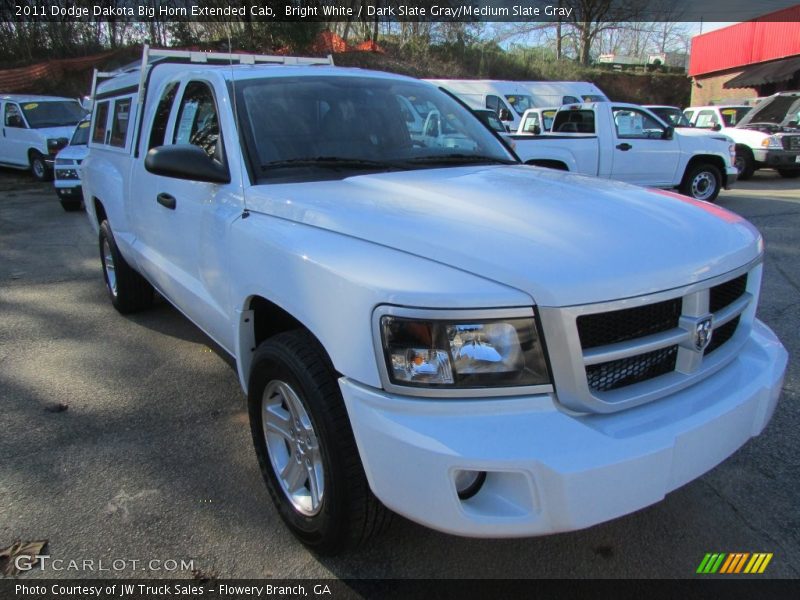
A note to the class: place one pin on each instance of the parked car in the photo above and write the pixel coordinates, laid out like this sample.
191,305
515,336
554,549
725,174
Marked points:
35,128
537,120
67,178
671,115
767,136
628,143
486,348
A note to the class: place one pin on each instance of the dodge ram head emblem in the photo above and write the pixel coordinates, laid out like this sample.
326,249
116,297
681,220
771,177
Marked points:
702,333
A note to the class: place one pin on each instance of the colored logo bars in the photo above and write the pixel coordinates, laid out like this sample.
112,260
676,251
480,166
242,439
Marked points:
735,562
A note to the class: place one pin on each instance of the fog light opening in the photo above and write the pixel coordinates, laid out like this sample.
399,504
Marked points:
469,483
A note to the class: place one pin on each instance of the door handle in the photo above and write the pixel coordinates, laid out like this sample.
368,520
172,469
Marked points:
166,201
624,147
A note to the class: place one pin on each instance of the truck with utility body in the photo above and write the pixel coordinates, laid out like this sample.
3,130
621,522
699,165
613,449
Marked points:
35,128
628,143
767,136
487,348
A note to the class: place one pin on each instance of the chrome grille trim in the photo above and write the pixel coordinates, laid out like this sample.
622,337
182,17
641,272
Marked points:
569,361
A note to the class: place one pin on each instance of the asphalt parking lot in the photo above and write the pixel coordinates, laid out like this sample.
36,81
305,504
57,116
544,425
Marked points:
152,460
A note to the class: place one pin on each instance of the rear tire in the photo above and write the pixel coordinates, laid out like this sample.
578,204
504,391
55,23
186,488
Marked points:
702,182
39,168
307,453
70,205
789,173
128,291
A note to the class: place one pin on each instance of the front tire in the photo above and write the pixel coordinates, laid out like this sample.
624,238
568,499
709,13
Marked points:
128,291
745,163
702,182
39,168
305,446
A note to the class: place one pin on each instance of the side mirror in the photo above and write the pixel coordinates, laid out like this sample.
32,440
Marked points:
185,161
536,130
505,115
668,133
15,121
716,127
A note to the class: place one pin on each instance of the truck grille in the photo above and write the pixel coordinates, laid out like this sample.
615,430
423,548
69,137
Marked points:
633,345
791,142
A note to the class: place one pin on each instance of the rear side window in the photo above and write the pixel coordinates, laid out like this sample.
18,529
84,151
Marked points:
100,119
119,124
159,130
574,121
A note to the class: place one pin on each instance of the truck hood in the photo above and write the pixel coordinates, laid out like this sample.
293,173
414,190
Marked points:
564,239
78,152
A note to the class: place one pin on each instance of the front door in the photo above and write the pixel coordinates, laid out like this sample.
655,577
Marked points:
643,152
17,138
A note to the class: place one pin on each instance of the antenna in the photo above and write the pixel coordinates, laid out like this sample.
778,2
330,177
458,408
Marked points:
245,212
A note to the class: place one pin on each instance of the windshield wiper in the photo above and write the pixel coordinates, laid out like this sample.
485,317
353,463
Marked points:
332,162
454,159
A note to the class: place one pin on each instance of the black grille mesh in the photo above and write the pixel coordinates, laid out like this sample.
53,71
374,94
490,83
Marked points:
791,142
602,329
626,371
725,293
722,335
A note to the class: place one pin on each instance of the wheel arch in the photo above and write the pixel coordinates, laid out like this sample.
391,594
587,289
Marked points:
259,320
712,159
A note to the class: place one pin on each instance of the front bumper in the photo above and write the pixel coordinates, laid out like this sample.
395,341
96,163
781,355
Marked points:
779,159
550,471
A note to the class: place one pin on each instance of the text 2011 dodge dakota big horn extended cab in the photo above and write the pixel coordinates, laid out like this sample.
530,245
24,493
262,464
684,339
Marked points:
423,323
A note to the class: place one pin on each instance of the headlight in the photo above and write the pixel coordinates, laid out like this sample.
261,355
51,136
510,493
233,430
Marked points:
466,353
772,141
56,144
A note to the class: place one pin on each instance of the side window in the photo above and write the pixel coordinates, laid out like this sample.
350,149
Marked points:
574,121
198,121
100,118
119,124
636,124
706,118
13,116
159,130
531,121
688,114
570,100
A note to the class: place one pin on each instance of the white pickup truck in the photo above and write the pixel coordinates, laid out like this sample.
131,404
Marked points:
766,137
628,143
487,348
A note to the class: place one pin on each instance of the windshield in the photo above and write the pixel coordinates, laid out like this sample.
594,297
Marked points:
671,116
81,135
520,103
733,115
52,114
779,110
326,127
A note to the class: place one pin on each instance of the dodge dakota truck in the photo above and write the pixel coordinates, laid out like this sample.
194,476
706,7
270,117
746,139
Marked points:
487,348
628,143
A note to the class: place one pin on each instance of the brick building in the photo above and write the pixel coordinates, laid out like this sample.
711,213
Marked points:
747,60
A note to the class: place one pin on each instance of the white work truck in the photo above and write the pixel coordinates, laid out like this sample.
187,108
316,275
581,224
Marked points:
487,348
628,143
766,137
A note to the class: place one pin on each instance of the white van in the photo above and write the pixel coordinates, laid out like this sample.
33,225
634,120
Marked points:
35,128
508,99
558,93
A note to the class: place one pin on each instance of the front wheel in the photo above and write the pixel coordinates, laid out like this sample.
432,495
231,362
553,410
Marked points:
702,182
305,446
745,163
39,168
789,173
